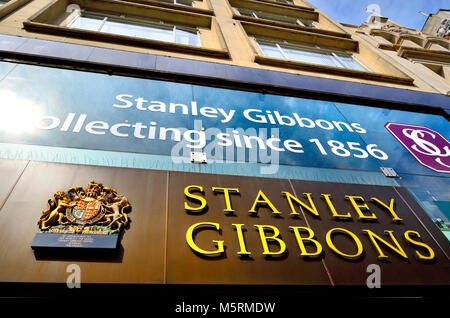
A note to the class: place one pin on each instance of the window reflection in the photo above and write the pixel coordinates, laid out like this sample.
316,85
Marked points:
433,195
86,23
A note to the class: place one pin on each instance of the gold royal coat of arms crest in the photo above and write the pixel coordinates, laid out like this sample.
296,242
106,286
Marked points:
91,217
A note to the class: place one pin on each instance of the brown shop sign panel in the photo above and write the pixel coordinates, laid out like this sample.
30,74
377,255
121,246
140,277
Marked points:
234,230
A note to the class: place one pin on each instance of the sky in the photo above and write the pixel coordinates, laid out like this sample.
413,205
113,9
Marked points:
403,12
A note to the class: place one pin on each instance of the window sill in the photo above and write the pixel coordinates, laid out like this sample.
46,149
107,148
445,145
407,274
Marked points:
388,47
290,26
10,6
333,70
124,40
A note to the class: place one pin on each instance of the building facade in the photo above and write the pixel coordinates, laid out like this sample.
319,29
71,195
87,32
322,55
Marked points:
261,145
438,24
416,52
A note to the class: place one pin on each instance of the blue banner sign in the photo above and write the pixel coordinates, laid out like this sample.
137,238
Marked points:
65,108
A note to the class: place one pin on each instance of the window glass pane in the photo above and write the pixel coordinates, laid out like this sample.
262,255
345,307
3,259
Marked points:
285,1
159,34
338,62
271,50
351,63
166,1
135,30
185,3
145,30
86,23
309,56
276,17
267,16
187,37
307,23
188,3
117,28
245,12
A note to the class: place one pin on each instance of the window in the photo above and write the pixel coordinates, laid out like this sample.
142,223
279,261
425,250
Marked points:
187,3
275,17
135,27
312,54
285,1
185,30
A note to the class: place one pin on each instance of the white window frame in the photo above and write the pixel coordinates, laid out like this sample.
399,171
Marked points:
316,48
299,22
123,19
254,14
341,61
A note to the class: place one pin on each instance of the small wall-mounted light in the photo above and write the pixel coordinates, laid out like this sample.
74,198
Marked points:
198,157
389,172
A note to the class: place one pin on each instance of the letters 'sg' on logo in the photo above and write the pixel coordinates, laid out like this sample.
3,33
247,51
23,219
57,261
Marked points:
429,147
